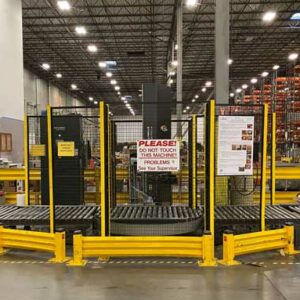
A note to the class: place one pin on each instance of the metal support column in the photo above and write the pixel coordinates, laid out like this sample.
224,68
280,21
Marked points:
273,159
26,160
222,20
179,66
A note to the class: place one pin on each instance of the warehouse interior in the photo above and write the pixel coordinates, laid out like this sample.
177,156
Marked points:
149,149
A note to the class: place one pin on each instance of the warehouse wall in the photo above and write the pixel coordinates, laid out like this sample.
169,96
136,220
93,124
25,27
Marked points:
37,93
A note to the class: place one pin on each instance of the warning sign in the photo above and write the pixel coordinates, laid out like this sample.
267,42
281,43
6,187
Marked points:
158,156
66,149
38,150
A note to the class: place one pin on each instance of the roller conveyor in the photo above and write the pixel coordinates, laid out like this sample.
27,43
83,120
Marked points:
138,215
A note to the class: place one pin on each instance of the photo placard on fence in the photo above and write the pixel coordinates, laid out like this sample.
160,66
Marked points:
158,156
235,145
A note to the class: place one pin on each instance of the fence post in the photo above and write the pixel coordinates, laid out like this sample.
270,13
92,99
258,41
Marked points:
290,249
2,250
228,249
60,247
77,260
208,250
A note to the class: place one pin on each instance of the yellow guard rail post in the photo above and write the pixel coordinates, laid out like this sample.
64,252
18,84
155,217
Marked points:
26,164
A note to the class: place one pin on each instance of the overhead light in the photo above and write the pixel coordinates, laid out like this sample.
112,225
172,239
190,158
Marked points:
229,61
238,90
264,74
184,111
73,86
80,30
295,16
119,93
194,100
45,66
125,101
253,80
293,56
244,86
208,83
95,102
174,63
92,48
196,96
171,81
108,74
117,88
102,64
113,82
91,98
63,5
276,67
58,75
203,90
191,3
176,47
127,105
172,73
231,95
269,16
187,108
123,98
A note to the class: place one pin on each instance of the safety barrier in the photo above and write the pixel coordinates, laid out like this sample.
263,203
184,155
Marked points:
159,246
235,245
32,240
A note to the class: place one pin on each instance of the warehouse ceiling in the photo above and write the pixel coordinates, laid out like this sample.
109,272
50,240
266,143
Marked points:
138,36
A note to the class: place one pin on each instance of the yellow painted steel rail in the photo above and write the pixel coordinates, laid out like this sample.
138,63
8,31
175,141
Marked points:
54,243
235,245
106,247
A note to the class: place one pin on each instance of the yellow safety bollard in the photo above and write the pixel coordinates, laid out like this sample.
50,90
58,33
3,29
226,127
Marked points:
290,248
2,250
208,251
60,247
77,260
228,249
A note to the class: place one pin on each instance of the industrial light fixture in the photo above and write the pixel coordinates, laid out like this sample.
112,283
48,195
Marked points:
92,48
108,74
191,3
295,16
293,56
58,75
127,105
113,82
119,93
194,100
176,47
187,108
229,61
63,5
73,86
123,98
174,63
172,73
276,67
244,86
91,98
208,83
264,74
184,111
45,66
269,16
171,81
196,96
231,95
203,90
80,30
117,88
102,64
95,102
238,90
253,80
125,101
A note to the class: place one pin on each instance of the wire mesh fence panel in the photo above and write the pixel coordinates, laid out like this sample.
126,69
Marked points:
200,160
239,137
76,154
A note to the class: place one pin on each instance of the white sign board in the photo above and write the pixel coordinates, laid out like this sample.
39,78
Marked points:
235,145
158,156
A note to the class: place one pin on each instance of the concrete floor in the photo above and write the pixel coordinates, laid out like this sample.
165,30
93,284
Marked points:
268,276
